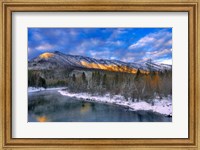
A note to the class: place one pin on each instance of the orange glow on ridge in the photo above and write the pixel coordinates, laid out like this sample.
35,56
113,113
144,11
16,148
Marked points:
46,55
111,67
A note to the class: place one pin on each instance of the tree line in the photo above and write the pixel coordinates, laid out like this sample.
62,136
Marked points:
139,86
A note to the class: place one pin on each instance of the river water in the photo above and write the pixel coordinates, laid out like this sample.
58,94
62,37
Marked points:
51,106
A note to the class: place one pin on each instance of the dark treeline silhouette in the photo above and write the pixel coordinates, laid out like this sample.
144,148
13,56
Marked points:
136,87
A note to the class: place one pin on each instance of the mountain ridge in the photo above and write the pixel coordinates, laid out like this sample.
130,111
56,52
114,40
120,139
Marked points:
58,60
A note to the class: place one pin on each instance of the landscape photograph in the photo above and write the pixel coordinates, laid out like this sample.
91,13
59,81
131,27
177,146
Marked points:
99,75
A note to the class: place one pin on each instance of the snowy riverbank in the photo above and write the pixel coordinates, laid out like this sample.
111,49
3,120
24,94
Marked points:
37,89
163,106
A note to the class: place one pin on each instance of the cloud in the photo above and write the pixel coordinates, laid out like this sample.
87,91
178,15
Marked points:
142,42
143,56
165,61
73,33
104,54
45,46
169,43
96,47
116,33
115,43
32,53
153,46
129,57
37,36
113,57
81,48
155,54
153,41
94,41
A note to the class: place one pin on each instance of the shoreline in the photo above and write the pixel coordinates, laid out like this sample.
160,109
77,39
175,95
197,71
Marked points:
163,106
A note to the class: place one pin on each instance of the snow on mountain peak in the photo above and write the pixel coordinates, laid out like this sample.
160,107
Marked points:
46,55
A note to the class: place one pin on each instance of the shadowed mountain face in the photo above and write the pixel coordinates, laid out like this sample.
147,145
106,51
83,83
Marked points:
58,60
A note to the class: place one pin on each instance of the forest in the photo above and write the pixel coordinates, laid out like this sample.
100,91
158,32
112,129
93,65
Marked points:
139,86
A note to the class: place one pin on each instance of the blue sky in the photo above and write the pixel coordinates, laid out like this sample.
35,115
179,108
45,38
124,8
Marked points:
125,44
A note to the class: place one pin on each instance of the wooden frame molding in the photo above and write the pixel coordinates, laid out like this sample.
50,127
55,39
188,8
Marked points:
10,6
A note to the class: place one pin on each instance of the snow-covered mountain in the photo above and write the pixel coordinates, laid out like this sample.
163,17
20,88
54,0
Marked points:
58,60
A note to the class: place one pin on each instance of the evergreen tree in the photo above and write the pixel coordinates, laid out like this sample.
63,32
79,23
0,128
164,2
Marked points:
116,79
83,77
42,82
104,82
138,74
98,78
74,78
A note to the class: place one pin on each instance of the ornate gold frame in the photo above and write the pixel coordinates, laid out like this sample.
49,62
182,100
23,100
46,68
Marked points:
9,6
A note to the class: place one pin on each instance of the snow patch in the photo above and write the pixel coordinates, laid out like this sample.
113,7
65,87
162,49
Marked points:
37,89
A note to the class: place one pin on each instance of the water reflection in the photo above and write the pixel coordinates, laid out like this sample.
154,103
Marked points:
42,119
85,108
50,106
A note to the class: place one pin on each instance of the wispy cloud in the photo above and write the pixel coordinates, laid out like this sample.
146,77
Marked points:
115,43
105,54
153,41
142,42
159,53
165,61
45,46
37,36
155,55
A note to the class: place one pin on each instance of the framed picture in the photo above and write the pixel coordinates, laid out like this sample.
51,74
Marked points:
107,75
